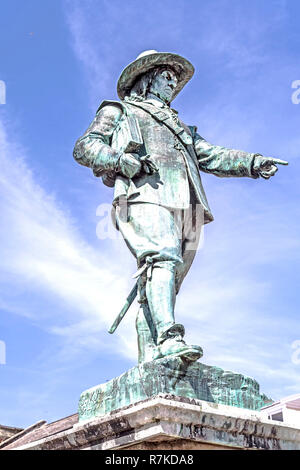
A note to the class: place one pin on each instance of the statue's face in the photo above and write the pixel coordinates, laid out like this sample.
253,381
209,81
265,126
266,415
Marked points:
163,85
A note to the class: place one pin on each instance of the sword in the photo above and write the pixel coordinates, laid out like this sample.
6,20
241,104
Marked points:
127,304
133,293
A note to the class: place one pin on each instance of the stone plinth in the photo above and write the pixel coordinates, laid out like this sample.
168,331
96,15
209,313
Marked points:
172,423
176,377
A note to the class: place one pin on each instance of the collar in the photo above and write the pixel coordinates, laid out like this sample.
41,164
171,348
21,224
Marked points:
160,104
157,103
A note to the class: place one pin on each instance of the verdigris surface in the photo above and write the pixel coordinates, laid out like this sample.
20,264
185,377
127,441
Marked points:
176,377
139,146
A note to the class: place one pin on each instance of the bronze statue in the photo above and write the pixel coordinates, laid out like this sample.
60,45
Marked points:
141,147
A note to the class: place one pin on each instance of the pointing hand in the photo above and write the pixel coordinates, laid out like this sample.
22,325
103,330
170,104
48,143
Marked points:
266,166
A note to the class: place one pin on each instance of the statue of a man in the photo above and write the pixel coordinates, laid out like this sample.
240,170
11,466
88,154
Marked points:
141,147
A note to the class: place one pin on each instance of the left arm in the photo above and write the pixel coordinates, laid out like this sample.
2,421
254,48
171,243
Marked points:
224,162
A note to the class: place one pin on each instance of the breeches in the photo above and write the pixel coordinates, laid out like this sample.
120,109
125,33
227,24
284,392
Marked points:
164,234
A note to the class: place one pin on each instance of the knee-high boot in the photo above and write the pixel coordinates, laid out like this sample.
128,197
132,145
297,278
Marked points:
159,335
161,297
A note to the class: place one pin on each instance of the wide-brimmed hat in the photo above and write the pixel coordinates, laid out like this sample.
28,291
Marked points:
149,60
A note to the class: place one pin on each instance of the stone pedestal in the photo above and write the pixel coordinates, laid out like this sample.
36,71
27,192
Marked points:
176,377
170,423
166,405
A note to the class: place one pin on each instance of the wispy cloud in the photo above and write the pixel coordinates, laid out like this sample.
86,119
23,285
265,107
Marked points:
42,254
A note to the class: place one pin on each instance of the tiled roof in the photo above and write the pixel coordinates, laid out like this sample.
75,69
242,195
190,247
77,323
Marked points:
39,431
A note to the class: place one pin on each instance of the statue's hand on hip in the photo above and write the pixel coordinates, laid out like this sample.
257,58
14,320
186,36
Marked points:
266,166
148,165
130,165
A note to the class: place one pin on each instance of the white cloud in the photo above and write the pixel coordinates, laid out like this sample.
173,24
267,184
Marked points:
75,290
86,52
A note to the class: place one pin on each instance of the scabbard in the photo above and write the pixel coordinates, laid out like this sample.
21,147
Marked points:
121,315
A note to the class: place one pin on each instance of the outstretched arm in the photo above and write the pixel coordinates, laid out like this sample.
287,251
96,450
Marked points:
224,162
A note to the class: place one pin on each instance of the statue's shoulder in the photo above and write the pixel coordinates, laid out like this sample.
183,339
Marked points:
113,106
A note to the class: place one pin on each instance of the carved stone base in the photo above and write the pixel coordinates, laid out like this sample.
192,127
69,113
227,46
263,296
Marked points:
175,377
165,423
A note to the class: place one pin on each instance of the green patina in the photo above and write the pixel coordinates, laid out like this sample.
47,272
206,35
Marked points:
139,146
173,377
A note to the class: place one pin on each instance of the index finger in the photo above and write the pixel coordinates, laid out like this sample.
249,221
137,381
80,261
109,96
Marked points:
280,162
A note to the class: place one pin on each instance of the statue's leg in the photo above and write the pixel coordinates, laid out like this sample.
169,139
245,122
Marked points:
161,295
155,238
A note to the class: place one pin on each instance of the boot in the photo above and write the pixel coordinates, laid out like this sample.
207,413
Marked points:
161,296
172,344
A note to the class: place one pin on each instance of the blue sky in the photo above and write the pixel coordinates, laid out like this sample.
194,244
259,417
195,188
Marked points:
60,285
